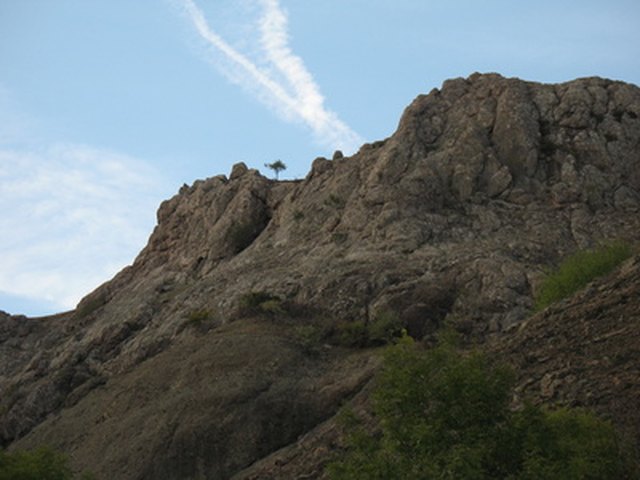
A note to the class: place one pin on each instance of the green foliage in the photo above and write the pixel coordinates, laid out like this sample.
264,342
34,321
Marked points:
567,444
41,464
350,334
276,166
199,317
578,270
310,336
446,415
261,302
383,329
272,306
255,299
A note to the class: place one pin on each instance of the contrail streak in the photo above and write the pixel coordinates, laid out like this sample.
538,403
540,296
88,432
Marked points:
299,98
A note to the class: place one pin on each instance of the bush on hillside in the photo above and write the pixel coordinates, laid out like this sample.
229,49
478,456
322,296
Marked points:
383,329
260,303
41,464
578,270
445,415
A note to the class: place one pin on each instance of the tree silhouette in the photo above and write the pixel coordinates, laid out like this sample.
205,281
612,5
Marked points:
276,166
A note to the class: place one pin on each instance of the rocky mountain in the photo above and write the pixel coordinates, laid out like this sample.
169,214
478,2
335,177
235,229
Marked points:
231,342
582,352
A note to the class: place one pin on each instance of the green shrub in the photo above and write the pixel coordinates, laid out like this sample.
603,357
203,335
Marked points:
272,307
350,334
255,299
578,270
445,415
310,336
41,464
384,328
198,317
255,303
565,443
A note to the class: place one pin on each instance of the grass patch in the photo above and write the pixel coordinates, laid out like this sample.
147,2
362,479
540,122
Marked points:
197,318
254,300
272,306
352,334
383,329
262,303
310,336
41,464
578,270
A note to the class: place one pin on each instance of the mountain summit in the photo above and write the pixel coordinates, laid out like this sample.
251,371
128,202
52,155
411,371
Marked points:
243,323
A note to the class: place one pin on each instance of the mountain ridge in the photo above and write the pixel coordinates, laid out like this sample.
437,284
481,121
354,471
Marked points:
453,219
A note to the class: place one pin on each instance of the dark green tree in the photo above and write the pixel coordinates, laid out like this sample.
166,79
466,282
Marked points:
276,166
442,414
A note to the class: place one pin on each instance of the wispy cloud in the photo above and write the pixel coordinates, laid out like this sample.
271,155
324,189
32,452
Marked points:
72,216
276,76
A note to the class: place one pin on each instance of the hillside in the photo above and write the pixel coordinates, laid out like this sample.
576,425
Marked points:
582,352
169,371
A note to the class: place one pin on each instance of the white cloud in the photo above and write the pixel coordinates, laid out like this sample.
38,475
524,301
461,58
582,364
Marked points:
285,85
72,217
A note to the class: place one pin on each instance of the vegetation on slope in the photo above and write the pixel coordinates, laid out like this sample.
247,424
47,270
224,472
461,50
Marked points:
578,270
41,464
445,415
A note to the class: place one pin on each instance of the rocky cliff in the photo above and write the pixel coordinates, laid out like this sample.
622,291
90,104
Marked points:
581,352
167,371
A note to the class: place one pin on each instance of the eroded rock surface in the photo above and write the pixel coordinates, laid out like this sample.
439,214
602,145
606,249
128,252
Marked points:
585,351
582,352
454,218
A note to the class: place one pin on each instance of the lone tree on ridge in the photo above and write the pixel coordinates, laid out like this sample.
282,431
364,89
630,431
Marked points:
276,166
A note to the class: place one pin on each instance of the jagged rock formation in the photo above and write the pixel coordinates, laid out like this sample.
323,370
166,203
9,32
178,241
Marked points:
486,182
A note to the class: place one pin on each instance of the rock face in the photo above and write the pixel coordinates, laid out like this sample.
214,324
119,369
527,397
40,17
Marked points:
162,372
584,351
581,352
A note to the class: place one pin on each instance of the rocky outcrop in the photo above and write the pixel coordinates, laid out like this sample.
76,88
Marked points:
584,351
581,352
454,218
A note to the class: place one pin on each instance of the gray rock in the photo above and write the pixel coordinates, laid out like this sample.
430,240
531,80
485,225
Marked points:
452,220
238,170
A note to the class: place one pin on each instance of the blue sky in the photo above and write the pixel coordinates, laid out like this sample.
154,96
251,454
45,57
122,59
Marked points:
107,107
